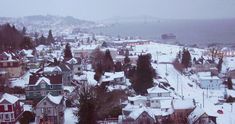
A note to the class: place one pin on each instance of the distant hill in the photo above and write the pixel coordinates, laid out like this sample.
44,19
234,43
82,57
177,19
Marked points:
41,23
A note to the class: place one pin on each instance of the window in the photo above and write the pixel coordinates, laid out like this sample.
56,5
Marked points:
51,86
43,85
12,116
6,107
45,103
6,116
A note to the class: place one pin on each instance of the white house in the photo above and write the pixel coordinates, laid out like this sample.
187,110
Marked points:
158,92
208,81
50,110
138,100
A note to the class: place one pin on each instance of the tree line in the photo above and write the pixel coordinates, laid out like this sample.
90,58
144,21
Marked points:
13,39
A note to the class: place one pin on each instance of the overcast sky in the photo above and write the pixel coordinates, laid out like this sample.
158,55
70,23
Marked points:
104,9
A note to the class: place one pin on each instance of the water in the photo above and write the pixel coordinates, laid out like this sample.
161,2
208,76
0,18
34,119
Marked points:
200,32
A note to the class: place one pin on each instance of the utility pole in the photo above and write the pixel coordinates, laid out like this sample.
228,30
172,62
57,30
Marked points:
203,99
177,82
182,94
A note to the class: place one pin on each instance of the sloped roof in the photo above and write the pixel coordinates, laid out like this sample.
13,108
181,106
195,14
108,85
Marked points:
183,104
53,78
139,97
43,79
195,114
8,97
157,89
53,99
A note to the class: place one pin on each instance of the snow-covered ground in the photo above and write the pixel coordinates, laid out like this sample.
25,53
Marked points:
185,86
22,81
69,117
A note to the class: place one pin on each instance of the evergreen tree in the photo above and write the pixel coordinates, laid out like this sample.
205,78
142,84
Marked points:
96,57
87,106
118,66
126,60
104,44
50,38
186,58
98,72
230,83
219,66
108,64
24,31
42,40
67,52
144,74
26,43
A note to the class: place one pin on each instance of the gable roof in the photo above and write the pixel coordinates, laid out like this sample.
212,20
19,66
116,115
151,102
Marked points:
34,79
137,112
46,80
56,100
157,89
8,97
195,115
139,97
72,61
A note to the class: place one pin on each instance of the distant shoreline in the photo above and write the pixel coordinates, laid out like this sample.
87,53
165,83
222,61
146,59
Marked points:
199,32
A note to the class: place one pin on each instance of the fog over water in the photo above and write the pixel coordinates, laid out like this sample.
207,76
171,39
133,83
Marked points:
201,32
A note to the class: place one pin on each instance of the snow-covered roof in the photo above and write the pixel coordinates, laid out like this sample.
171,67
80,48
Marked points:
44,79
204,74
195,115
207,76
55,99
110,76
8,97
139,97
69,88
157,89
85,47
183,104
137,112
72,61
52,69
88,75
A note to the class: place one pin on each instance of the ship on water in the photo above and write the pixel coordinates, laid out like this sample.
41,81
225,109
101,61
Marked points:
168,36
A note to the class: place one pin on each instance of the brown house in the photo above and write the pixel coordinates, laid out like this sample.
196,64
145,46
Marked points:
182,108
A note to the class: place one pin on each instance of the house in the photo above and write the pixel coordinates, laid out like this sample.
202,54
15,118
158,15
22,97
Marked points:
84,51
50,110
10,109
140,115
75,65
138,100
199,116
158,92
114,77
40,85
10,62
207,81
182,109
67,74
157,105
